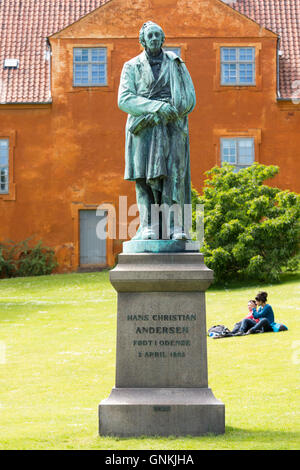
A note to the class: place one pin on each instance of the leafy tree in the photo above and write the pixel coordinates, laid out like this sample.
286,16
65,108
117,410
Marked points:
251,229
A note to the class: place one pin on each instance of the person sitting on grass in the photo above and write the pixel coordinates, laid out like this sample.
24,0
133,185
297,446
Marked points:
237,327
264,314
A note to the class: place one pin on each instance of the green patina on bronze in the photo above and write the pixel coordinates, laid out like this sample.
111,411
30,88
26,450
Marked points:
157,92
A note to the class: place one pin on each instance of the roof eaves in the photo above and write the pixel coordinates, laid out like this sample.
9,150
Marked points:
289,99
25,102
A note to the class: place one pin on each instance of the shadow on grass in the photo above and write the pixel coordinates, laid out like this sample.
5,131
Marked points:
232,434
262,435
245,284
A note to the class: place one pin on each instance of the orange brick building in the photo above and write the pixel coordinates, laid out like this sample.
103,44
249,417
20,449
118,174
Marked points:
62,134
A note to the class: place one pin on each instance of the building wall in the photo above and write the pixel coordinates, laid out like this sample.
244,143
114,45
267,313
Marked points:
70,155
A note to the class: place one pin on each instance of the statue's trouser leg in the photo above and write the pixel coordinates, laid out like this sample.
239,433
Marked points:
163,224
144,199
175,218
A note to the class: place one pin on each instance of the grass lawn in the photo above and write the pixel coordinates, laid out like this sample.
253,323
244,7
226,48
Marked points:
57,362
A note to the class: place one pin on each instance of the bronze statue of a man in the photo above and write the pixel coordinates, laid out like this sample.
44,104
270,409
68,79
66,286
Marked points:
157,92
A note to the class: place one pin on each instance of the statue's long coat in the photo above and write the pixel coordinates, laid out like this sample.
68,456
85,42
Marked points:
160,154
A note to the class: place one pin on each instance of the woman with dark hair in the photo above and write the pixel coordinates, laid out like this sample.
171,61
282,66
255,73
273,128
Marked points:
264,314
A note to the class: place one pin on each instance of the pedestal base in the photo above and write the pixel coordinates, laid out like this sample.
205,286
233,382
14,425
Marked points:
161,411
161,246
161,385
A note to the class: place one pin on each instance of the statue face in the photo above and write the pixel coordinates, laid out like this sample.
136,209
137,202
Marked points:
153,37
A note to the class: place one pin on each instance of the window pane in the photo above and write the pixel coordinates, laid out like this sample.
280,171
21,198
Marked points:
229,73
3,175
4,143
245,151
228,149
90,66
237,65
81,74
81,55
77,55
4,156
246,53
98,54
176,50
3,152
98,74
229,54
238,152
246,73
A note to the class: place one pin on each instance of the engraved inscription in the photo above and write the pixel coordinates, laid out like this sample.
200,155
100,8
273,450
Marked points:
156,337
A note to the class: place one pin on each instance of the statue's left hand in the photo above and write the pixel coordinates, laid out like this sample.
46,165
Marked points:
168,112
152,120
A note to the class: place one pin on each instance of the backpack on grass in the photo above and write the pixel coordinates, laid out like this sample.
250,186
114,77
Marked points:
219,331
279,327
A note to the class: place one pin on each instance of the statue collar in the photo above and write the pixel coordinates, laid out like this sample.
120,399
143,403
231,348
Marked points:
171,55
165,55
154,60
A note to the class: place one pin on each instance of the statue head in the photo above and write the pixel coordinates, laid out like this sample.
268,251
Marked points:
152,37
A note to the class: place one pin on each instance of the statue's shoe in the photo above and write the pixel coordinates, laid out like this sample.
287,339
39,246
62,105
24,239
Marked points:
145,233
148,234
179,236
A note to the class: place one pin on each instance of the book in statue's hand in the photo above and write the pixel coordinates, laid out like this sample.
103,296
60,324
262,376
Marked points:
140,123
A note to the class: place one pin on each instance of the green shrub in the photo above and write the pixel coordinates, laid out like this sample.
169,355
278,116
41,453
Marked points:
2,260
21,259
251,229
7,263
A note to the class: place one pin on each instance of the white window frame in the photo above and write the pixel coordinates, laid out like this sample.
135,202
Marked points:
4,168
238,62
238,165
90,63
175,49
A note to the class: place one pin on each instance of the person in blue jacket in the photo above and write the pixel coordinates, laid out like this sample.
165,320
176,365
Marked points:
264,314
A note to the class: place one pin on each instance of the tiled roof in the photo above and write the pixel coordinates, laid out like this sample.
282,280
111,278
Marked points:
283,18
25,25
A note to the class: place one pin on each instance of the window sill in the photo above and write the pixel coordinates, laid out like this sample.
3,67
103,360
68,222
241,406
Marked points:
89,86
235,85
92,88
219,87
11,195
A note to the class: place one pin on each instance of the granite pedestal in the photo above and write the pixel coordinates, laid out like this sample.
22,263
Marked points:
161,383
